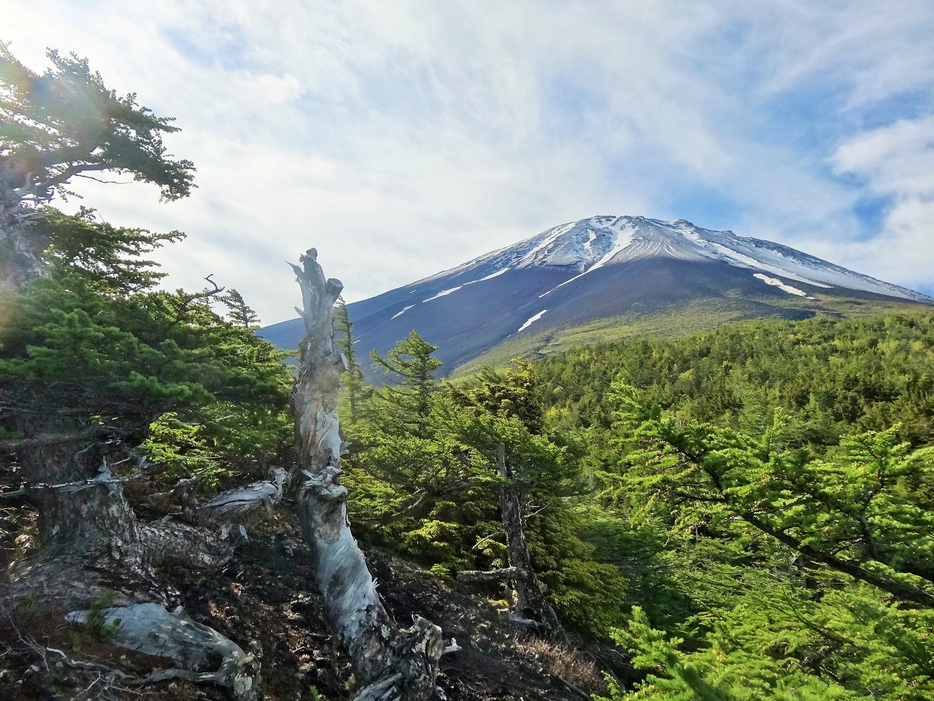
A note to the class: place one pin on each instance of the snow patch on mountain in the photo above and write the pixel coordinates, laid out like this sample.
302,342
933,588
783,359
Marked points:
443,293
775,282
404,310
584,246
620,243
532,320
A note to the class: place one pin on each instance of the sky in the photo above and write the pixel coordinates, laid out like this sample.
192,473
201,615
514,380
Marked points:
404,137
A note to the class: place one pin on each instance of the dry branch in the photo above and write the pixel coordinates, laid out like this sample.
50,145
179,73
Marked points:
506,574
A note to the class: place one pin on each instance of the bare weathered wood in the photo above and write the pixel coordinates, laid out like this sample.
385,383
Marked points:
505,574
237,502
390,663
531,602
203,654
94,549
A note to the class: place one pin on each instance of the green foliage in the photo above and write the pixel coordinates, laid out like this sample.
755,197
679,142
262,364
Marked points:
766,489
108,259
847,511
680,320
238,311
717,674
355,388
791,645
424,480
413,367
140,355
98,343
829,377
95,629
65,122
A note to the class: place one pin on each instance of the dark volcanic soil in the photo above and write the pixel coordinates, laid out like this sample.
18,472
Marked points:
265,600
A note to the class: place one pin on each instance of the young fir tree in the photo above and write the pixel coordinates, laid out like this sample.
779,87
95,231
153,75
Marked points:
352,379
436,494
238,311
413,366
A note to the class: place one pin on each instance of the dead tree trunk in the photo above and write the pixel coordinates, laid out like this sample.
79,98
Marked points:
96,555
20,244
392,664
531,608
531,605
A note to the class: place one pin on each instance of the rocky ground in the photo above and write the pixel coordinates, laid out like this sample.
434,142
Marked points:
265,600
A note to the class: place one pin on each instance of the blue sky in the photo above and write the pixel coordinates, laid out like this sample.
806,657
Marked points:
402,137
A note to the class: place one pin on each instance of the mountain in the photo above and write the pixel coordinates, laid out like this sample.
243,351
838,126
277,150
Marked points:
609,277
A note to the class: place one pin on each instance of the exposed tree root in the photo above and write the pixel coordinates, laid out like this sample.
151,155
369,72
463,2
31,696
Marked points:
95,550
149,629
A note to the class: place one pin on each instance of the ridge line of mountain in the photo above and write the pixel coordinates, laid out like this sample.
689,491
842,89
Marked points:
603,267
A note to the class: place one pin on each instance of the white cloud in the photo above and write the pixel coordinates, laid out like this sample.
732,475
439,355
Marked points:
403,137
897,162
275,89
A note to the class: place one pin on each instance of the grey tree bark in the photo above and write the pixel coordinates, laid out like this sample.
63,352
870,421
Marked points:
95,550
19,247
531,602
392,664
531,608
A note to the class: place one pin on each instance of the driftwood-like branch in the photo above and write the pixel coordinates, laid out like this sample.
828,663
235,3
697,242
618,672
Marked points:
203,654
237,502
201,548
216,289
505,574
391,664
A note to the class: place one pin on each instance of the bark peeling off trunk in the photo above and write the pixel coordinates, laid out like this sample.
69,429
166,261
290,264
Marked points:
238,502
391,664
353,606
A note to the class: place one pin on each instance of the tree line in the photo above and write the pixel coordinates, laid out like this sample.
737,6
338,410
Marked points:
747,511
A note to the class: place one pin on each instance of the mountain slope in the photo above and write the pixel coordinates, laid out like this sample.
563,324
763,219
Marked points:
593,271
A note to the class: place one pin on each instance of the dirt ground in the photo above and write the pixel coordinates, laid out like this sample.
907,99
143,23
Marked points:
265,600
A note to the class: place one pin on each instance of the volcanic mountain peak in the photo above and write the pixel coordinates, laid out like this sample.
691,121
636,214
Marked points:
589,244
602,274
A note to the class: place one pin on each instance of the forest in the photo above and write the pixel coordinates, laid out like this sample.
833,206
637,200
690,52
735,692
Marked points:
747,511
740,514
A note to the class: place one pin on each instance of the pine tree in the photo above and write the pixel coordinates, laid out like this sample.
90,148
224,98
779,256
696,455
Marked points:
239,312
63,124
352,379
414,368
